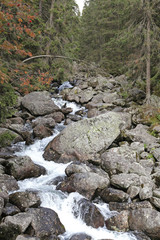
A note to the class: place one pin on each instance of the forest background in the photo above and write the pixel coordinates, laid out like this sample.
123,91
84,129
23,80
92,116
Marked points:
120,36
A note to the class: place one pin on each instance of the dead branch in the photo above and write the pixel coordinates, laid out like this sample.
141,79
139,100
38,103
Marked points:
51,56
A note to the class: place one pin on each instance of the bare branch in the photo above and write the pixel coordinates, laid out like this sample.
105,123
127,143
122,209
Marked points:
51,56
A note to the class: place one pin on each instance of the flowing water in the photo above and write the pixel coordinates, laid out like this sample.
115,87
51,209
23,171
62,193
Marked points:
64,204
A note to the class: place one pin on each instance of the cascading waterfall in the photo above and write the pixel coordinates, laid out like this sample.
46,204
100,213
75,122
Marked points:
64,204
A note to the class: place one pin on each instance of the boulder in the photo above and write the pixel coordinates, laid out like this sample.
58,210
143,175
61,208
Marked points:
39,103
23,131
146,220
123,159
146,187
9,231
40,131
84,183
80,236
77,167
25,200
86,137
86,95
10,210
8,183
22,167
45,222
89,213
113,195
118,222
22,220
46,121
140,134
125,180
57,116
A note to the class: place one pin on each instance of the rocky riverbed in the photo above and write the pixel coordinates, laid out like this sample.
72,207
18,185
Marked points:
109,152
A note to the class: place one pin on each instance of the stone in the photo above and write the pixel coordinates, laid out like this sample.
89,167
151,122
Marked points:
146,220
39,103
118,222
9,231
156,154
46,121
113,195
86,137
84,183
120,159
146,187
23,131
86,95
8,183
22,167
58,117
10,210
140,134
80,236
133,191
124,180
22,220
155,201
77,168
40,131
89,213
45,222
25,200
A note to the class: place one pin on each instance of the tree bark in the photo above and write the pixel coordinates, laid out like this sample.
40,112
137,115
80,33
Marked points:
50,25
40,8
148,57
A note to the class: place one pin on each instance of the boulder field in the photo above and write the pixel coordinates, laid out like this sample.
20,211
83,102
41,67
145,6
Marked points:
114,157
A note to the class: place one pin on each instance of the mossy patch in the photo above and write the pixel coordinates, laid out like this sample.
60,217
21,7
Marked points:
6,138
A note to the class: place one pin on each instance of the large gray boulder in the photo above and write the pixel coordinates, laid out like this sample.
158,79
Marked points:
39,103
85,138
146,220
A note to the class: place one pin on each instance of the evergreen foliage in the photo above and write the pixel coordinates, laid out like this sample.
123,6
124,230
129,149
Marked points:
114,35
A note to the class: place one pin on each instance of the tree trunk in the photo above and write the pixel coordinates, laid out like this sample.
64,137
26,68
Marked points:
50,25
40,8
148,57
